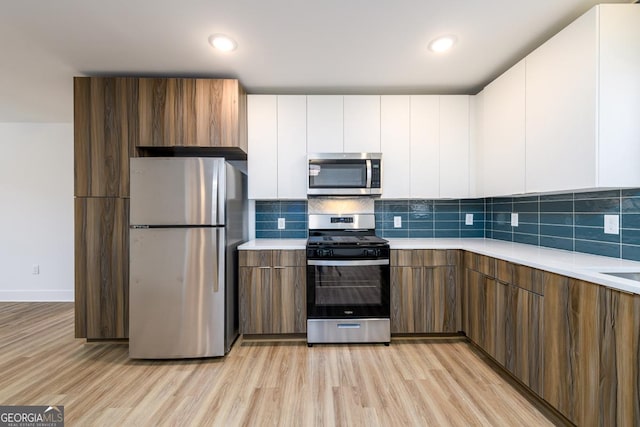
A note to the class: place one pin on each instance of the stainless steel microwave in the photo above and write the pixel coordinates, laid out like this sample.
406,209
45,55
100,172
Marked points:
345,174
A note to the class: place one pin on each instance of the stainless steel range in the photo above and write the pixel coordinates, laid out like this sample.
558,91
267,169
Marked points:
348,281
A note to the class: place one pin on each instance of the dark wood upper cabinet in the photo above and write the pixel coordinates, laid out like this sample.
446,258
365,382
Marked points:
176,112
105,134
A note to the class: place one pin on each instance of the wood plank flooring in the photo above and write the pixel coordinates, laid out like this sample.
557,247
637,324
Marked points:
421,382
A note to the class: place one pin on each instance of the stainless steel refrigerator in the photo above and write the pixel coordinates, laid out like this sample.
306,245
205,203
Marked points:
188,215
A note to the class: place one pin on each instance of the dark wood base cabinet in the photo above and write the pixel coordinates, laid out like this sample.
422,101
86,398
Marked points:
425,294
273,292
573,343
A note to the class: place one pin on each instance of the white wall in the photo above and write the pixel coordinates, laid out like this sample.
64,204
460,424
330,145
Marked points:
36,211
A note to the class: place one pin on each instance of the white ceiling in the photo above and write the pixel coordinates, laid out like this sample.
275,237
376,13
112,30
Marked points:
284,46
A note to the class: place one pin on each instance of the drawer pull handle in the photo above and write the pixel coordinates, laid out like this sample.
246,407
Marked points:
348,325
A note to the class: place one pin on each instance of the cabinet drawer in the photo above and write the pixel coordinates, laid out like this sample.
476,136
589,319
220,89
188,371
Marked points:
480,263
424,257
273,258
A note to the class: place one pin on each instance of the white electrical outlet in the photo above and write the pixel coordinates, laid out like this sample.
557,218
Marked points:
468,219
397,222
281,224
35,269
612,224
514,219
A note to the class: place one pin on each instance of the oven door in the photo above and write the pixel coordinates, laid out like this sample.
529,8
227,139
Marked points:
338,289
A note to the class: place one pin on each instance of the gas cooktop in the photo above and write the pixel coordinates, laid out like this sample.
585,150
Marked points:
346,240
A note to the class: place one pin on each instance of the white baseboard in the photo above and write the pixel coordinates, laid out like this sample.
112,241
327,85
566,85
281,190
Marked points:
43,295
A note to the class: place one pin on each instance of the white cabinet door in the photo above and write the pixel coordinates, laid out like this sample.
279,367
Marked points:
502,165
362,124
292,147
395,119
561,88
424,167
619,96
262,135
325,119
454,146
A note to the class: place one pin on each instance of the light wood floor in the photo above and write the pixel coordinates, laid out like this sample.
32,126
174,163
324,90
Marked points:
421,382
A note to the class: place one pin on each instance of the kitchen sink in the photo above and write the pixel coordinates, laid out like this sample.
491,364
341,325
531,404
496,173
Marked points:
626,275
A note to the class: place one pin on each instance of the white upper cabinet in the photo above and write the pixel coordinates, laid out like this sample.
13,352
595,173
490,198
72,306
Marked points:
362,124
292,147
582,103
501,165
424,166
325,117
277,159
454,146
395,118
262,135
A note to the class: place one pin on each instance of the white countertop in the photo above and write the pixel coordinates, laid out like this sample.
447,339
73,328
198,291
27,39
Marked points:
573,264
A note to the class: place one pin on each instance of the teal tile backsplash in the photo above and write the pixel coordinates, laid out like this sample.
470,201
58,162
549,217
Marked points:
569,221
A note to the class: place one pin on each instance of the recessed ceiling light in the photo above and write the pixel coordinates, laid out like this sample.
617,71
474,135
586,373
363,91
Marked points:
442,44
222,43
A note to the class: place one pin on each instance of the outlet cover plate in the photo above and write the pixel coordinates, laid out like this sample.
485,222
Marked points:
468,219
281,224
612,224
397,222
514,219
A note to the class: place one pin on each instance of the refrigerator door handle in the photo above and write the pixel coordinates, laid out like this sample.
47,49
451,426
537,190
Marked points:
220,264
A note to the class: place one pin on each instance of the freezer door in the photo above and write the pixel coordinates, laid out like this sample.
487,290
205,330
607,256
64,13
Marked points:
177,293
177,191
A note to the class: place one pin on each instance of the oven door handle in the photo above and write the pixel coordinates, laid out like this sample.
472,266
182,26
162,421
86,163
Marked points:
351,263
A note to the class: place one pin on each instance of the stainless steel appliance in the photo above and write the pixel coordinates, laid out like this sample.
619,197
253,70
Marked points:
345,174
188,215
348,280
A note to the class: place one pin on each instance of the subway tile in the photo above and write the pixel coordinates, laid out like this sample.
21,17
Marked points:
598,248
502,207
294,207
502,218
420,216
630,236
631,205
266,225
589,219
556,218
562,196
264,217
396,233
447,233
472,232
631,192
631,252
267,206
447,225
267,234
420,206
519,206
420,225
503,200
529,239
396,206
531,218
597,205
630,221
556,206
447,216
526,228
388,225
502,236
557,243
421,233
294,217
440,208
595,234
556,231
608,194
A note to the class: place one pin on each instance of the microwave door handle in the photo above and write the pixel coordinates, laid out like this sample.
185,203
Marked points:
368,174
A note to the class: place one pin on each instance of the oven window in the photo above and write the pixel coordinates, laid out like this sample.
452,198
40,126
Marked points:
351,286
338,175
